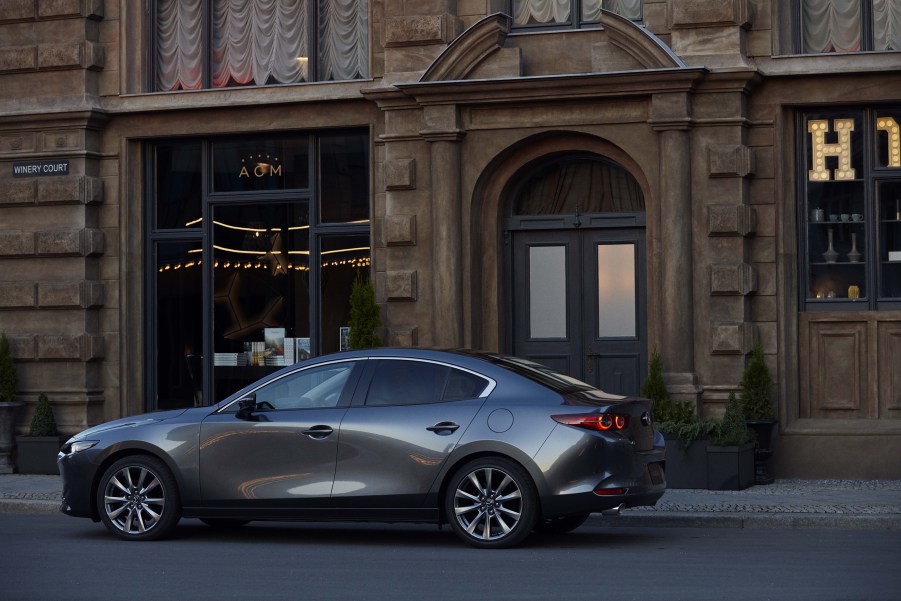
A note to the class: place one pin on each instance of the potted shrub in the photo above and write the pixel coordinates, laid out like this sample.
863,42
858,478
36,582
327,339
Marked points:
37,451
756,389
9,406
685,434
365,319
730,454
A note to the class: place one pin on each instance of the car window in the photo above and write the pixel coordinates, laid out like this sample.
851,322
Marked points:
418,382
307,389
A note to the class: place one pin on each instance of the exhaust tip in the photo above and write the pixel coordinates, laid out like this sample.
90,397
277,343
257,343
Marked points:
614,510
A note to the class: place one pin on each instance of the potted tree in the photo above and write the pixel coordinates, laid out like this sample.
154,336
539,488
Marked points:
365,319
36,453
685,434
757,405
9,406
730,454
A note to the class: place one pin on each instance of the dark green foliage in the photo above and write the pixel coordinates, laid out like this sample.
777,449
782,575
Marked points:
43,422
365,319
732,431
757,387
9,380
673,418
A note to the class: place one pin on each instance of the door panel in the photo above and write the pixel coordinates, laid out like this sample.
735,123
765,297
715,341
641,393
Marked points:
579,304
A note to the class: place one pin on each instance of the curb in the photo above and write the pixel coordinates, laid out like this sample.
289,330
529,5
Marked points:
828,521
29,506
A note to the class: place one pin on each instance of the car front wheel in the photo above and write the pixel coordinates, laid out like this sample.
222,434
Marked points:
491,503
137,499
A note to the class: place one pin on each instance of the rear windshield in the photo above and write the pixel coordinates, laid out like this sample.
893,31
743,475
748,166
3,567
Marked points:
545,376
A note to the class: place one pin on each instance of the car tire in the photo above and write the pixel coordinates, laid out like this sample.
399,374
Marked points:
491,503
562,524
137,498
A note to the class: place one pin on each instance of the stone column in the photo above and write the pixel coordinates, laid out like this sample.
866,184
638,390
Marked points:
447,224
670,116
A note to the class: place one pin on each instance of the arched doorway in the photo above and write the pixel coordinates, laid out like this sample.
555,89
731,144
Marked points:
576,269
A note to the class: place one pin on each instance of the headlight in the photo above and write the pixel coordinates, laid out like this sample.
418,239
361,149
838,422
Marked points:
77,446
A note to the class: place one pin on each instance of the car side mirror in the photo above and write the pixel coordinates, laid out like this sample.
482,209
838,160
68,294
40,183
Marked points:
246,407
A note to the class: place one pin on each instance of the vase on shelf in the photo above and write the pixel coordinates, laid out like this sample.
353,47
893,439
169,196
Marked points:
830,256
854,254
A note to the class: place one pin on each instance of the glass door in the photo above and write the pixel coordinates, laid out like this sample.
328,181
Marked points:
261,276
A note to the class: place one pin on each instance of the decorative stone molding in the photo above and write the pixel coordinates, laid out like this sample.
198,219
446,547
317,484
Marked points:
421,30
732,160
18,58
17,295
85,294
470,49
16,244
83,347
708,13
732,338
87,242
733,280
731,220
400,285
403,336
79,55
400,174
399,230
18,193
61,9
70,190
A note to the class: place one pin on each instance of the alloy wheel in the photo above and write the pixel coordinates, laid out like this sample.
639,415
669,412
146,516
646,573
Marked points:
488,504
134,499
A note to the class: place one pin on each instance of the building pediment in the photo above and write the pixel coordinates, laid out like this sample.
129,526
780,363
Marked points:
489,50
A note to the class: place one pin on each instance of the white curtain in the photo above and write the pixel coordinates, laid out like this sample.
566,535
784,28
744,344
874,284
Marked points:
540,11
179,64
831,25
259,42
343,39
591,9
886,25
253,41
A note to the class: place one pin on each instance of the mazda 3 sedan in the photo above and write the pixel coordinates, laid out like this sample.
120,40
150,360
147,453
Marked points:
496,447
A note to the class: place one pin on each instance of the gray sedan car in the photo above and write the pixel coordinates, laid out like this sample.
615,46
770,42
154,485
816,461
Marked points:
495,446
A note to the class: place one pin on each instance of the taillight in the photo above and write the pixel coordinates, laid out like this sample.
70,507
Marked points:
599,422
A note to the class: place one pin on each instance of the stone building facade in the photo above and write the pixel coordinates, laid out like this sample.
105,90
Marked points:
578,192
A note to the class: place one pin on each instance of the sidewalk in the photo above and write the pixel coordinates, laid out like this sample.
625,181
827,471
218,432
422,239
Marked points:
847,504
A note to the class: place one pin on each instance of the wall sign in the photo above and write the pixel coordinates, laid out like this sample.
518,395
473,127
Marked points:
842,148
41,168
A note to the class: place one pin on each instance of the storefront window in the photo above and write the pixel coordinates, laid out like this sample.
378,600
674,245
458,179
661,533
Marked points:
851,226
279,272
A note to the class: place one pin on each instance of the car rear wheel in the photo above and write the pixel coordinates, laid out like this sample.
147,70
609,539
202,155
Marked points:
491,503
137,499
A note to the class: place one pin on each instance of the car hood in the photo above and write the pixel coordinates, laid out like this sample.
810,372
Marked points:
125,422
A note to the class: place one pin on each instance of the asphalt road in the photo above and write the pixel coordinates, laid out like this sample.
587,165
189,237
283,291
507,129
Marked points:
60,558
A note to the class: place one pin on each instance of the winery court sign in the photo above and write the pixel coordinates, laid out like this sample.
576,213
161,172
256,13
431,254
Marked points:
41,168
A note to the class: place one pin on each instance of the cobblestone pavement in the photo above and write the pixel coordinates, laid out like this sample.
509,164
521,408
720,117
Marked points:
859,504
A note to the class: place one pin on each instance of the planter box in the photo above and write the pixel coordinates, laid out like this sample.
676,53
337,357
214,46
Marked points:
37,454
686,467
730,468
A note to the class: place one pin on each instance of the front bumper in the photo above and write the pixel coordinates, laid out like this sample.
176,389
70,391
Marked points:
78,474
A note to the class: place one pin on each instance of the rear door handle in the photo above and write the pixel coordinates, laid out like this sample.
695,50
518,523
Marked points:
443,428
319,432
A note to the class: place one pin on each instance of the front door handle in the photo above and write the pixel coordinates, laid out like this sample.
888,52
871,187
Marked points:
443,428
319,432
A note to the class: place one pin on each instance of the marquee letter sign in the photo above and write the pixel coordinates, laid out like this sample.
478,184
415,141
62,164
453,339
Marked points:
820,149
890,126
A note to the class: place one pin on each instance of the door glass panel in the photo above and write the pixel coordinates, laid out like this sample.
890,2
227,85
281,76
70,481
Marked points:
344,177
547,292
179,186
616,290
261,297
179,325
342,257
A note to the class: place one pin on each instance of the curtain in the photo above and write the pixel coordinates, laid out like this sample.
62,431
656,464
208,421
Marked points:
585,186
540,11
253,41
179,45
831,25
591,9
886,25
343,39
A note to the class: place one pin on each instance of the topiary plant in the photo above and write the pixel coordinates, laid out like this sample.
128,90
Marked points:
673,418
43,422
364,315
9,380
757,387
732,430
